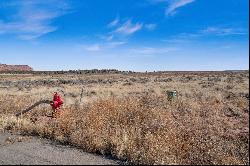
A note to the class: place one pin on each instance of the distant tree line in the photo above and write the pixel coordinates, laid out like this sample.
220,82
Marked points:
115,71
93,71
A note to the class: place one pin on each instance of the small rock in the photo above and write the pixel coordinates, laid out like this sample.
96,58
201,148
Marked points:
20,139
9,140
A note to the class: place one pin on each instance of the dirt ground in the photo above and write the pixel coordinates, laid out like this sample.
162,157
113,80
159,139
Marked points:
24,150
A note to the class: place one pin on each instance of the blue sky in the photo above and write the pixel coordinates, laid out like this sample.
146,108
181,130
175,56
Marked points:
141,35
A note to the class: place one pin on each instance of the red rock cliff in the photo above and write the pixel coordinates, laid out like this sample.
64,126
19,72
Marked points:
4,67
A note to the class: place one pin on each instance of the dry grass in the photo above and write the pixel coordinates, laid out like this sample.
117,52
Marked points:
207,124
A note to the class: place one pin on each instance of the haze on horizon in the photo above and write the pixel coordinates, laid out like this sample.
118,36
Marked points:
142,35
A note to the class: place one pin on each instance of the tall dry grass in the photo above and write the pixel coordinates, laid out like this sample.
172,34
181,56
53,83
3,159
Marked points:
148,129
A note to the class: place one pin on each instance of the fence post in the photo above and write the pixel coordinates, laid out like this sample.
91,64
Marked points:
81,95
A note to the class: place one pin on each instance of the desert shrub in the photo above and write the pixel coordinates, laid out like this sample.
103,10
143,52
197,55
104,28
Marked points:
149,130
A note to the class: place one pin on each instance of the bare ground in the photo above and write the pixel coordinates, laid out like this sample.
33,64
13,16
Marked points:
23,150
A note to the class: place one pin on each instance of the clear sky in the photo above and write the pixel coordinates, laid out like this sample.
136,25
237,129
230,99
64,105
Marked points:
138,35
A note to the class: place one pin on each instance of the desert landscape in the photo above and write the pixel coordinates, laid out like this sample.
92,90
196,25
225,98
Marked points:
124,82
129,115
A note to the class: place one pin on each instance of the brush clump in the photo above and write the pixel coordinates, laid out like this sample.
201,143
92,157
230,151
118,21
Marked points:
142,131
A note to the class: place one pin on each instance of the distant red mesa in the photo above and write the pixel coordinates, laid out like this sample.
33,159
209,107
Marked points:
4,67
